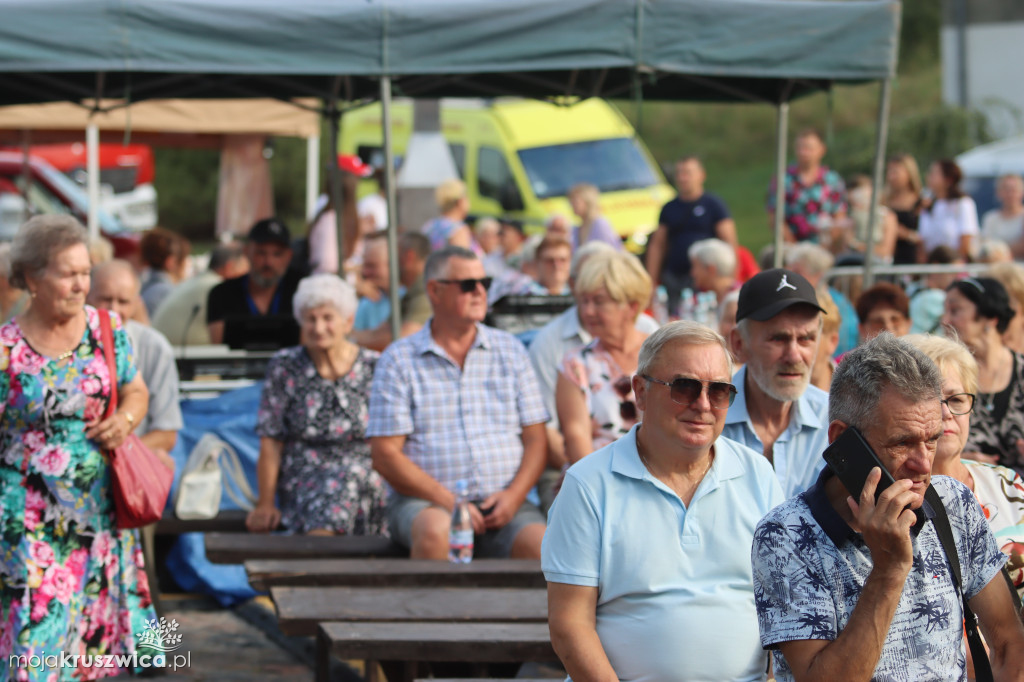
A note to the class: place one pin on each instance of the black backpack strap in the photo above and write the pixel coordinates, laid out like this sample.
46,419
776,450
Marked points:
982,667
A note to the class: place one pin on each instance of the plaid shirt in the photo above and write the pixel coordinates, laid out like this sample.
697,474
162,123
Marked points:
461,424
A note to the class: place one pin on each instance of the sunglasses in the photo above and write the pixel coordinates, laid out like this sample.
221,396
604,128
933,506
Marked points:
627,407
468,286
960,404
685,391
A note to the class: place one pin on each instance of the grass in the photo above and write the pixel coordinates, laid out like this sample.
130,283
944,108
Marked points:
737,141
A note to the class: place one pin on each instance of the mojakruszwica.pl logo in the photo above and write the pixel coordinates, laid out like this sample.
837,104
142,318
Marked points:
155,648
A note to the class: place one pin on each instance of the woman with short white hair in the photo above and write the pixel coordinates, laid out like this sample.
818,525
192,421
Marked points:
312,424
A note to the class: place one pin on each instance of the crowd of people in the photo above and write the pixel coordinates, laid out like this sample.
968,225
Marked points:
658,445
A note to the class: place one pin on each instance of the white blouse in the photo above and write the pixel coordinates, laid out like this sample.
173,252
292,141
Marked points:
948,221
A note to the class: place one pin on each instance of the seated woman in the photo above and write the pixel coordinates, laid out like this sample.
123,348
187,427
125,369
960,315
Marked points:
312,424
594,397
1000,491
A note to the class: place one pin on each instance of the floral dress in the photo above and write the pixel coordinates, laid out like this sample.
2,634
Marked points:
1000,492
70,581
606,389
326,479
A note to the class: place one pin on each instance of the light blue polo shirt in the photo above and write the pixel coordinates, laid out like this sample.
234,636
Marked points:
675,587
797,451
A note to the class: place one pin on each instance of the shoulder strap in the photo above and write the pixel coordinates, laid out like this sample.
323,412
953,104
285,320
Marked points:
231,465
982,667
107,341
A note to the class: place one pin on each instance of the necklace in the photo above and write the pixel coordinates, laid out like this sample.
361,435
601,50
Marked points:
711,460
66,354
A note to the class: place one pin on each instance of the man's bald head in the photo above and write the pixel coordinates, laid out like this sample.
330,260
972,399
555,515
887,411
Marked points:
115,286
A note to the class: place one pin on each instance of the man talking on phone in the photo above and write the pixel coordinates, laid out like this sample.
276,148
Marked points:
857,589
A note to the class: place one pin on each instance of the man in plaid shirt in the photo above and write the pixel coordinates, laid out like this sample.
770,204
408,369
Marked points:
459,401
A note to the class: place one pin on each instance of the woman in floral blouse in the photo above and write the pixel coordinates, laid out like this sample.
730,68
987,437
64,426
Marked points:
312,424
593,395
70,581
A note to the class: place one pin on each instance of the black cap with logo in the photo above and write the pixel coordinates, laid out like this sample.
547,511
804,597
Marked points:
768,293
270,231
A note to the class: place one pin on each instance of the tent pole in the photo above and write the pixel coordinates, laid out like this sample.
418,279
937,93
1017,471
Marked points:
389,186
781,135
876,182
92,169
312,174
334,188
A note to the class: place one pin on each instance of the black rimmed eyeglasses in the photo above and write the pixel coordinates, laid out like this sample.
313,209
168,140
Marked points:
468,286
684,391
960,403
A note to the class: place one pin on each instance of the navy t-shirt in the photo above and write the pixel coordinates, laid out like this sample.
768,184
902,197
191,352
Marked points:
688,222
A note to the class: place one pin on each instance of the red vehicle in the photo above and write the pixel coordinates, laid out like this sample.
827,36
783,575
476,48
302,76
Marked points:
126,177
50,191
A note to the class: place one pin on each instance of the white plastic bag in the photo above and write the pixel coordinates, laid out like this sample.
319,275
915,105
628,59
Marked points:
202,481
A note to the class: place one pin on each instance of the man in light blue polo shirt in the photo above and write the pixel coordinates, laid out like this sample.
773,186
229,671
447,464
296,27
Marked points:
647,548
777,412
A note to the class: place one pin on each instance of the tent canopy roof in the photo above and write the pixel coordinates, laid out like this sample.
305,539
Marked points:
759,50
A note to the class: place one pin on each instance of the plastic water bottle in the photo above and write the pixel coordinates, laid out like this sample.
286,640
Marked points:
460,537
660,308
686,308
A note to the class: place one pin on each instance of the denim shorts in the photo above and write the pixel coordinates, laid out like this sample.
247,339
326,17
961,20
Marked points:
494,544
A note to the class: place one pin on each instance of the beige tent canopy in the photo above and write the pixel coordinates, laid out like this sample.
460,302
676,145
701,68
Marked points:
236,127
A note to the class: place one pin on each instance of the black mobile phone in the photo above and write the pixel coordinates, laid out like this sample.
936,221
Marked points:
486,511
852,459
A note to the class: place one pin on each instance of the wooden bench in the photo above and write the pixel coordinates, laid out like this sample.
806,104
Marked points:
412,643
228,521
237,548
266,573
301,609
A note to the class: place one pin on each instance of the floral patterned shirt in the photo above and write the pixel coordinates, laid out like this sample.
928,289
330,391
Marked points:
805,204
606,389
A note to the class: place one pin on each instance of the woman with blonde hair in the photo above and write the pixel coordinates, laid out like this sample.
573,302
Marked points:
449,228
903,198
593,395
999,490
585,201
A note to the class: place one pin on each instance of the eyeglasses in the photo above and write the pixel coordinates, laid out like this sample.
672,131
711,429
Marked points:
468,286
959,404
686,391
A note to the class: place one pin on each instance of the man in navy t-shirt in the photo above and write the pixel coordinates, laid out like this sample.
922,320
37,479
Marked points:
690,217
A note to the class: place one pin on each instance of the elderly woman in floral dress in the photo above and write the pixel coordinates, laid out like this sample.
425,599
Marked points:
70,581
312,422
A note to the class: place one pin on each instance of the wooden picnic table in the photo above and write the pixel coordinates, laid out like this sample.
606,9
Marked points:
236,548
266,573
301,609
409,644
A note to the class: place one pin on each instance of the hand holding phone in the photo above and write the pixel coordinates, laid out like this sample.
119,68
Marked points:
852,459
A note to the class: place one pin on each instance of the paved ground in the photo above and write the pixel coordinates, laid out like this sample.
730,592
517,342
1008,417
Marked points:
243,644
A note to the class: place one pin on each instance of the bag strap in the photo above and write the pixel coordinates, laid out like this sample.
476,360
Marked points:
107,341
232,466
982,667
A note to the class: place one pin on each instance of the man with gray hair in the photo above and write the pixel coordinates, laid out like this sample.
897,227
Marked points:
813,261
777,411
647,549
713,267
458,401
859,589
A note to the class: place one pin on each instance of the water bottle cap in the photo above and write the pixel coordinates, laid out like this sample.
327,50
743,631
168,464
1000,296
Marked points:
461,486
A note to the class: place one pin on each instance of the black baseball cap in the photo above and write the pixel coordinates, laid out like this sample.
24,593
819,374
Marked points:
768,293
270,231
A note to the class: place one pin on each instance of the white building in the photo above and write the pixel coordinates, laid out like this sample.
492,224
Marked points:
982,47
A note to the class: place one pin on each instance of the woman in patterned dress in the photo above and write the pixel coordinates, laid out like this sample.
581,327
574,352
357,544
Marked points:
312,424
593,394
70,581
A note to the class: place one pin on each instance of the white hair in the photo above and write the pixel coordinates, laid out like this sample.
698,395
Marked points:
530,247
487,225
731,297
716,253
685,331
814,259
324,289
994,251
589,249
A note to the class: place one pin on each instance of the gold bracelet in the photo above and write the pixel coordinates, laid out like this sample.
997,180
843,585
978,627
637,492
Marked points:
129,418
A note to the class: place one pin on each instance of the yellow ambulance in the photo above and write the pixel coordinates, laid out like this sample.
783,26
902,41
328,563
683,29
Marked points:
519,158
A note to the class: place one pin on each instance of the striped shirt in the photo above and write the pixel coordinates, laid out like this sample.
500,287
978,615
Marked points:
460,423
